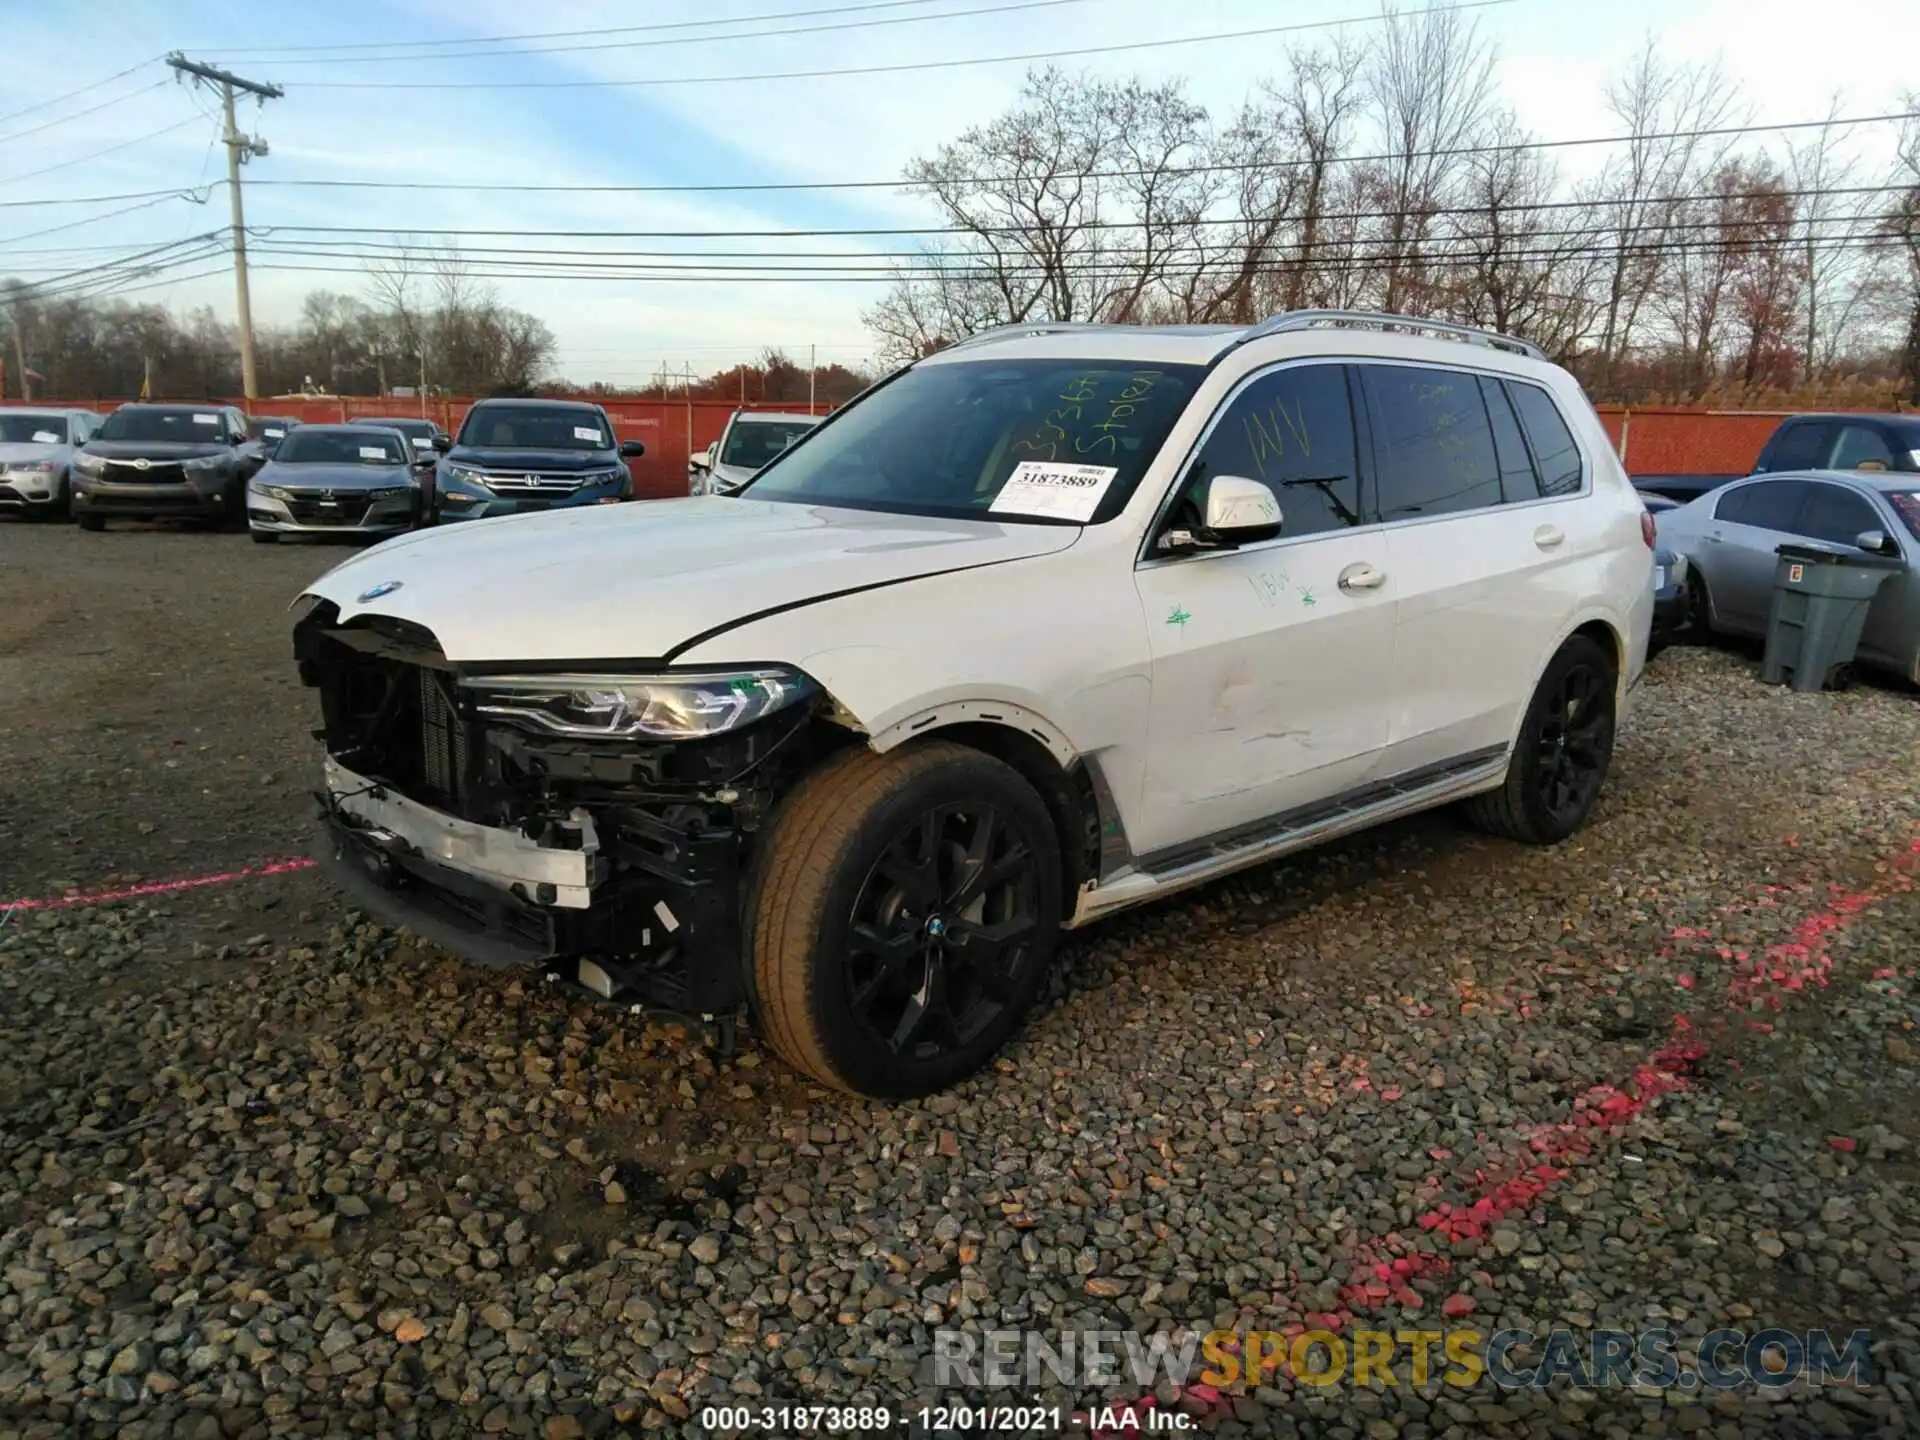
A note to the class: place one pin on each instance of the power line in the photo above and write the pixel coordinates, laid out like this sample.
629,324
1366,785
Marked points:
44,201
575,34
895,69
598,46
110,150
82,114
163,197
1215,167
84,89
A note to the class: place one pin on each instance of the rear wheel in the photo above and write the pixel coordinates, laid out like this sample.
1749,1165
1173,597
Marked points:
904,915
1564,751
1699,619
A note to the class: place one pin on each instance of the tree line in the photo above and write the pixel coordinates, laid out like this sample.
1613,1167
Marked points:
1385,175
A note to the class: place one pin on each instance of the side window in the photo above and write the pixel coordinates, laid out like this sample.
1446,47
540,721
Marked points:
1292,430
1555,454
1432,441
1860,447
1518,481
1767,505
1798,445
1835,514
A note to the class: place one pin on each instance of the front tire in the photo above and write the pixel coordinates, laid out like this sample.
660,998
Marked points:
91,522
904,913
264,537
1564,751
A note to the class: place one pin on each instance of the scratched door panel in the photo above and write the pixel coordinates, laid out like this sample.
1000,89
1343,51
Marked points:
1268,684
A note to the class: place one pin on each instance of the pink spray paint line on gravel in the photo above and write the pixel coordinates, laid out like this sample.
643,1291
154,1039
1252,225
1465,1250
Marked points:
1387,1265
157,887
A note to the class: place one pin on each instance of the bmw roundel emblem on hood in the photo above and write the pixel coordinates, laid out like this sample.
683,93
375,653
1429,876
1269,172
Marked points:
385,587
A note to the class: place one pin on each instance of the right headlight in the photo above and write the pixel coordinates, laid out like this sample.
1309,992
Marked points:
461,475
654,707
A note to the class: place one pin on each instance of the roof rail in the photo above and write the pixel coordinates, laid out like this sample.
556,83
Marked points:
1375,320
1021,332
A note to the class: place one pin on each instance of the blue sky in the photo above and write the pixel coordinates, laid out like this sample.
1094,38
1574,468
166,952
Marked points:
1555,57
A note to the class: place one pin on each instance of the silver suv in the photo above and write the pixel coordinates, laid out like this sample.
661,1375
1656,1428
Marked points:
36,457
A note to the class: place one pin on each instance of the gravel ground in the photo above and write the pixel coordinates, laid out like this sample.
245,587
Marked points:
267,1168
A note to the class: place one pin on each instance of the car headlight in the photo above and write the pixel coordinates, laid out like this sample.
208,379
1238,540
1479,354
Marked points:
31,467
202,464
90,464
275,491
461,475
658,707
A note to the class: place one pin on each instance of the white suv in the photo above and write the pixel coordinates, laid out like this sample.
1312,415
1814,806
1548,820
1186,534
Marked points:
1056,621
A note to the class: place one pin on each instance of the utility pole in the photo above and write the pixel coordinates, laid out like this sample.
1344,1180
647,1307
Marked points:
240,149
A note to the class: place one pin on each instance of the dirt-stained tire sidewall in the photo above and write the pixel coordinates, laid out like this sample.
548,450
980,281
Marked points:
820,852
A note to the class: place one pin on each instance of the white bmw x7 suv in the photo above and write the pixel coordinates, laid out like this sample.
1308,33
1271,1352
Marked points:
1057,621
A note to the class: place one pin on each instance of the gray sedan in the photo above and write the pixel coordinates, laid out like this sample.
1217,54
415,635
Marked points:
335,480
1729,537
36,457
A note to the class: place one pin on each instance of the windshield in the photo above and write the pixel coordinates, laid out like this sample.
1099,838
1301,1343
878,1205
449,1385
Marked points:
754,443
1039,440
33,429
534,427
189,427
310,446
1906,504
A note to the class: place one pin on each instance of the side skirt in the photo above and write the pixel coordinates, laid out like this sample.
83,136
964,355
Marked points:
1184,866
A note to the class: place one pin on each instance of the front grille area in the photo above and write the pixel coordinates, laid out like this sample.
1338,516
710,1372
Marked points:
158,472
547,487
392,711
312,510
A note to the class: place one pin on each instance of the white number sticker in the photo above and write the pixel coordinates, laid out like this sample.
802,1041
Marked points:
372,452
1060,492
585,432
45,437
272,434
206,419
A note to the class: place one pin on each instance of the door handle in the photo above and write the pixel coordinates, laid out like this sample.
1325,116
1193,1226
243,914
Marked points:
1362,576
1548,536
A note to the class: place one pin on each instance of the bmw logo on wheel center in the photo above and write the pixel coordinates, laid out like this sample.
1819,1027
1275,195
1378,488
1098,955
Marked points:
385,587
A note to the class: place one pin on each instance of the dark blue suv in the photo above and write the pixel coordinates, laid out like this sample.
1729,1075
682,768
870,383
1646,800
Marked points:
516,456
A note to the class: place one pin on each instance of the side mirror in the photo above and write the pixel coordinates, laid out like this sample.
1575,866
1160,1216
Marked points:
631,449
1238,511
701,459
442,444
1876,542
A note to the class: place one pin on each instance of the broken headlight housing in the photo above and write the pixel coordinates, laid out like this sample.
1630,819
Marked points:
688,706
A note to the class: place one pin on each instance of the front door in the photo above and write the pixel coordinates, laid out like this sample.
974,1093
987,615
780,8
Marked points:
1270,677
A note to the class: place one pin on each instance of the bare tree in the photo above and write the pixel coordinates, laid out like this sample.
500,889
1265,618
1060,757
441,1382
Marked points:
1429,87
1902,224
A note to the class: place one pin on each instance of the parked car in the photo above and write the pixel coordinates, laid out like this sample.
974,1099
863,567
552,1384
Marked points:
36,457
270,430
1868,443
1057,621
1669,577
1843,441
752,440
426,438
156,460
513,457
360,480
1730,536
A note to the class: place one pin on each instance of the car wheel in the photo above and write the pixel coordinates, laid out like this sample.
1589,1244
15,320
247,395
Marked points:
1561,758
91,522
264,537
905,909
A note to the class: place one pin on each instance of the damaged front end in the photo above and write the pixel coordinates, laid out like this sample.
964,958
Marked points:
598,825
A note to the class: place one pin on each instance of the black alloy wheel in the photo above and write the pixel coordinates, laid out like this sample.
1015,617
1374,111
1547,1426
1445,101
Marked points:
1574,742
939,937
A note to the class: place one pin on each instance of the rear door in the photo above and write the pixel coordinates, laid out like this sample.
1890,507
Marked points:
1736,553
1797,445
1480,543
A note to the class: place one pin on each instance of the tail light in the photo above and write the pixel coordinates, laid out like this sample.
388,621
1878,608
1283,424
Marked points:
1647,528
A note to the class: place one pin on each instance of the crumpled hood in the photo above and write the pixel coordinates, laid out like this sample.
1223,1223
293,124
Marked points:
638,581
25,452
334,477
551,461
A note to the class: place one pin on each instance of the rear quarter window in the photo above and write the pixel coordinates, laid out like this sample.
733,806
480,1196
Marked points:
1555,454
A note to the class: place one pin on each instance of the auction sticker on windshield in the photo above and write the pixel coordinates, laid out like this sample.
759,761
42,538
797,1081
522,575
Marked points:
585,432
1059,492
206,419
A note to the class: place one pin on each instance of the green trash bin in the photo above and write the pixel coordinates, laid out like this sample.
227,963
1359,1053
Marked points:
1820,601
